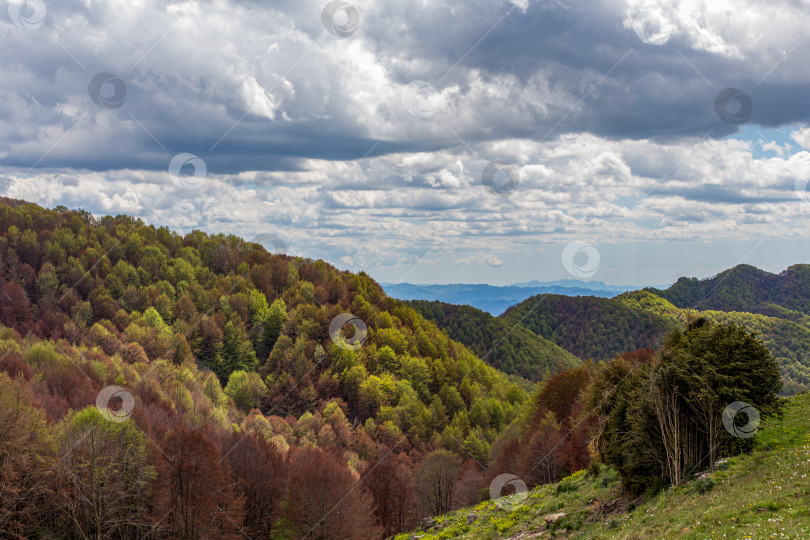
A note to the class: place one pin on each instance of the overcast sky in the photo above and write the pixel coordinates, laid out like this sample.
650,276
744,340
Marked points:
426,141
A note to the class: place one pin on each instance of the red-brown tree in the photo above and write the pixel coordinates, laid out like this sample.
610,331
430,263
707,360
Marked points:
543,458
15,307
389,480
259,474
195,495
27,453
326,501
559,394
467,491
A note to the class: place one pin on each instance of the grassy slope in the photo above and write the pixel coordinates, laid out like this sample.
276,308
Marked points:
762,495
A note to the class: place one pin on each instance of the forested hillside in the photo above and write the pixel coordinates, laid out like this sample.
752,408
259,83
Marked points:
511,348
590,327
764,494
600,328
212,339
746,288
198,386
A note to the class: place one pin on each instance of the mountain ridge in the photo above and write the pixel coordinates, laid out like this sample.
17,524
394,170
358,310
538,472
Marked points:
744,288
601,328
490,298
513,349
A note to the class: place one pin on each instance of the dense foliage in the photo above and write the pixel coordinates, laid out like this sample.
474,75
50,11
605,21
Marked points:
554,439
787,339
661,419
590,327
746,288
145,294
511,348
600,328
216,338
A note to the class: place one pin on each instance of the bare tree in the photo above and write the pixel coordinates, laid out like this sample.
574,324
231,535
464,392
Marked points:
435,479
390,483
104,476
665,399
26,456
326,501
468,487
196,499
259,474
542,460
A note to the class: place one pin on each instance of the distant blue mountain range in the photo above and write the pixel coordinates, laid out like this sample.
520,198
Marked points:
495,299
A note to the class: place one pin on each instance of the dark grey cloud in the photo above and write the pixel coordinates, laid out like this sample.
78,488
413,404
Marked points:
263,86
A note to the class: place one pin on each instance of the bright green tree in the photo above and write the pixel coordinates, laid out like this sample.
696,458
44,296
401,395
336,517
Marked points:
237,351
246,389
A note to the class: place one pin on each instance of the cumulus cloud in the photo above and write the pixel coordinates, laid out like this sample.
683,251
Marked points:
481,259
581,186
606,110
802,137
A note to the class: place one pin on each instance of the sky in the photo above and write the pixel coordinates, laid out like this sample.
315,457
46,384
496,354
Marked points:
486,141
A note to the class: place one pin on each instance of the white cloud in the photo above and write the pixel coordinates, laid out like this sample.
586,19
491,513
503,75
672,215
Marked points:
305,134
802,137
736,29
396,209
481,259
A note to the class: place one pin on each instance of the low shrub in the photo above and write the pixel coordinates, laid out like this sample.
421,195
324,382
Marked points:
703,485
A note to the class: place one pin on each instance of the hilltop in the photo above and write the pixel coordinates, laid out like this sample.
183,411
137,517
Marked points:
496,299
746,288
287,367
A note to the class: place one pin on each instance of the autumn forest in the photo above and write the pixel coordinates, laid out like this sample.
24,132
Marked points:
154,385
